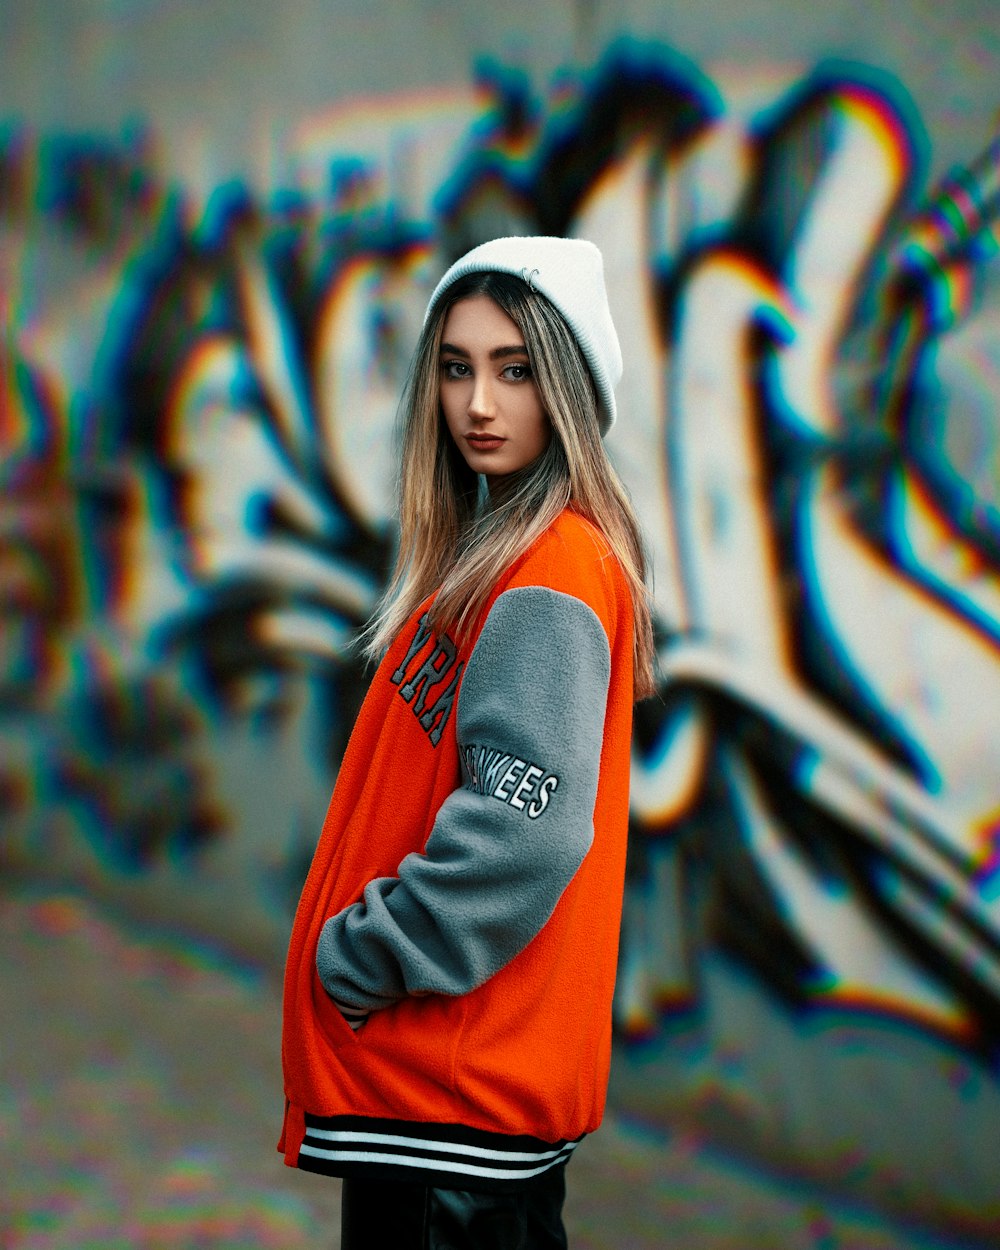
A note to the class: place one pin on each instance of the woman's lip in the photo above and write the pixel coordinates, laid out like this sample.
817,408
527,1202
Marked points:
484,442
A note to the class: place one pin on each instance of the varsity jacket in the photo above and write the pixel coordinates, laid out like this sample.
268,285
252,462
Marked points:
447,1005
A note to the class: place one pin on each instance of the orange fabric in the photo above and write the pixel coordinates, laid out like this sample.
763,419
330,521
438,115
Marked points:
528,1052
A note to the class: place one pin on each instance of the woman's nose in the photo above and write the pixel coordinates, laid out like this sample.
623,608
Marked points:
481,403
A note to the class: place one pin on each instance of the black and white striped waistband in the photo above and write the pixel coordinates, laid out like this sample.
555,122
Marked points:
448,1156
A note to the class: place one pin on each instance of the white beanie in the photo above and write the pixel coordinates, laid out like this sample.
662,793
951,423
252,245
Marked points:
570,273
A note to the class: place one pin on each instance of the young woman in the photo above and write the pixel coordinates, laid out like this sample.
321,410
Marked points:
447,1019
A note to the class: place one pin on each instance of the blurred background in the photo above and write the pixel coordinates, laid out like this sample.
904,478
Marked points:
219,225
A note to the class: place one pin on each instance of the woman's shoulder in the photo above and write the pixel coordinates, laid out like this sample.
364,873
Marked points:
574,557
574,532
572,537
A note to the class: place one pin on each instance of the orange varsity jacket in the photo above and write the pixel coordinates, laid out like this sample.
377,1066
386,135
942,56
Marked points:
447,1004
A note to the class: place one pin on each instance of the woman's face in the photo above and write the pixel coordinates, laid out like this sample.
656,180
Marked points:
488,395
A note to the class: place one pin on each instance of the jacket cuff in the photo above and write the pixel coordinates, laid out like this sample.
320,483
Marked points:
355,1016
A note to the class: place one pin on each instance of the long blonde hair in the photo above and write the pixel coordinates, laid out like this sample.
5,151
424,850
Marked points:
459,544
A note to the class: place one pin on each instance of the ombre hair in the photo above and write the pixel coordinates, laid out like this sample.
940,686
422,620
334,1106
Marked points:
458,543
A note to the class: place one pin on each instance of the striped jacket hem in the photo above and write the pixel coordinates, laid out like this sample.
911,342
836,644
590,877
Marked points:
447,1156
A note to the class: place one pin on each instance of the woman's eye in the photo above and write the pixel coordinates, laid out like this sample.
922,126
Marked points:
517,373
455,369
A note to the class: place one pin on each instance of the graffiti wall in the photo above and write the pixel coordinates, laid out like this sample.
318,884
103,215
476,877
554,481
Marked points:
197,403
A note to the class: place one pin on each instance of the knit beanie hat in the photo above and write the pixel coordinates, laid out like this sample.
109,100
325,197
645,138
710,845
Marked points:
570,273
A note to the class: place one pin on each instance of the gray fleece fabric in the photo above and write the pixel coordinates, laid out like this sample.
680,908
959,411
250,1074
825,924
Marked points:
504,846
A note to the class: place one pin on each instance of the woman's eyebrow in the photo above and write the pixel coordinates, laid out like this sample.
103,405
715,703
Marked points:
498,353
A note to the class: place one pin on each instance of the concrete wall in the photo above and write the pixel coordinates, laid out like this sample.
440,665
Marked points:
219,228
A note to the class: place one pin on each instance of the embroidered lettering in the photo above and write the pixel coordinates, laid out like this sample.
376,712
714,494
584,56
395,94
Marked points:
512,774
473,760
433,669
519,783
528,778
440,667
436,718
497,763
420,639
545,790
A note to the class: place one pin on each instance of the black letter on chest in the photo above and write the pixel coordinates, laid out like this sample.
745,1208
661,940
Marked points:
420,639
435,720
433,670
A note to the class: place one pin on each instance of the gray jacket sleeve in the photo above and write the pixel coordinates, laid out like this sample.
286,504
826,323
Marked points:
504,846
